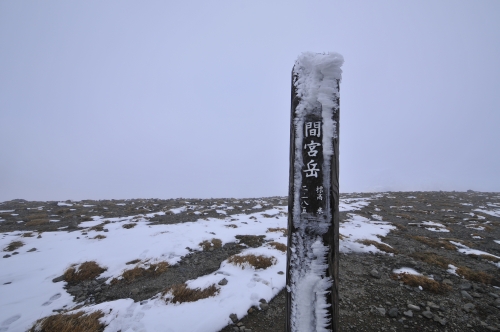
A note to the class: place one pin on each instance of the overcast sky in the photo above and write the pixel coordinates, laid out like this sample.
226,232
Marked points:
166,99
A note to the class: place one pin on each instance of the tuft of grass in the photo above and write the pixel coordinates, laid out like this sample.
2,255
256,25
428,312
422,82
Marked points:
99,237
232,226
426,283
378,245
14,245
258,262
128,226
279,246
135,261
153,270
214,243
180,293
97,228
490,258
278,229
435,243
86,271
37,222
28,234
77,322
265,215
477,276
432,258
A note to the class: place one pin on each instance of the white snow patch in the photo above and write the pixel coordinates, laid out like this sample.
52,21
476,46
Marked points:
64,204
495,213
408,270
468,251
352,204
179,210
452,269
31,293
359,228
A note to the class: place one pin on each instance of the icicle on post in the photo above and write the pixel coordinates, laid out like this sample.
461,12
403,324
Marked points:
313,201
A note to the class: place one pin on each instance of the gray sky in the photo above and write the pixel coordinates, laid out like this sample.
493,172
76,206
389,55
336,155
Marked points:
144,99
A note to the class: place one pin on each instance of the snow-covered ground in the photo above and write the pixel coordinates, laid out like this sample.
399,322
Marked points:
27,292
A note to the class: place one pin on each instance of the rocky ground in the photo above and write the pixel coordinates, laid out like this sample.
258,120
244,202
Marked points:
466,297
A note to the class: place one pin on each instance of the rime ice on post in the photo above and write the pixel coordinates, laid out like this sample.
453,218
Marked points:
313,220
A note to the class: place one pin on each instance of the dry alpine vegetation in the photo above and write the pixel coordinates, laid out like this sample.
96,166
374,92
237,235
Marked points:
452,239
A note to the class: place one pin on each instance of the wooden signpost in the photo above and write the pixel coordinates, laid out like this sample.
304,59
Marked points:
313,213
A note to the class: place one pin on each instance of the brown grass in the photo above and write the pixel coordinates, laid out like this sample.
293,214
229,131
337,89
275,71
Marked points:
35,216
400,227
477,276
128,226
214,243
77,322
135,261
341,237
378,245
432,258
99,237
37,222
426,283
406,216
14,245
434,243
258,262
181,293
278,229
86,271
97,228
153,270
265,215
279,246
28,234
232,226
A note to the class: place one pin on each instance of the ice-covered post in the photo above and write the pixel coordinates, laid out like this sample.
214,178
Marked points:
313,197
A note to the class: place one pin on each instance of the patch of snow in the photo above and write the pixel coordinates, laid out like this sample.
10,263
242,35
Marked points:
353,204
468,251
6,211
179,210
258,206
408,270
31,273
64,204
359,228
452,269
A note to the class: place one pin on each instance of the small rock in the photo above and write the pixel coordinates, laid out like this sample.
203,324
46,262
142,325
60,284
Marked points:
6,256
374,273
491,328
408,313
465,286
440,320
39,237
381,311
105,230
466,295
468,307
223,282
476,295
413,307
448,282
134,291
432,305
493,295
281,272
60,278
233,318
31,250
235,329
15,253
264,306
427,314
393,312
